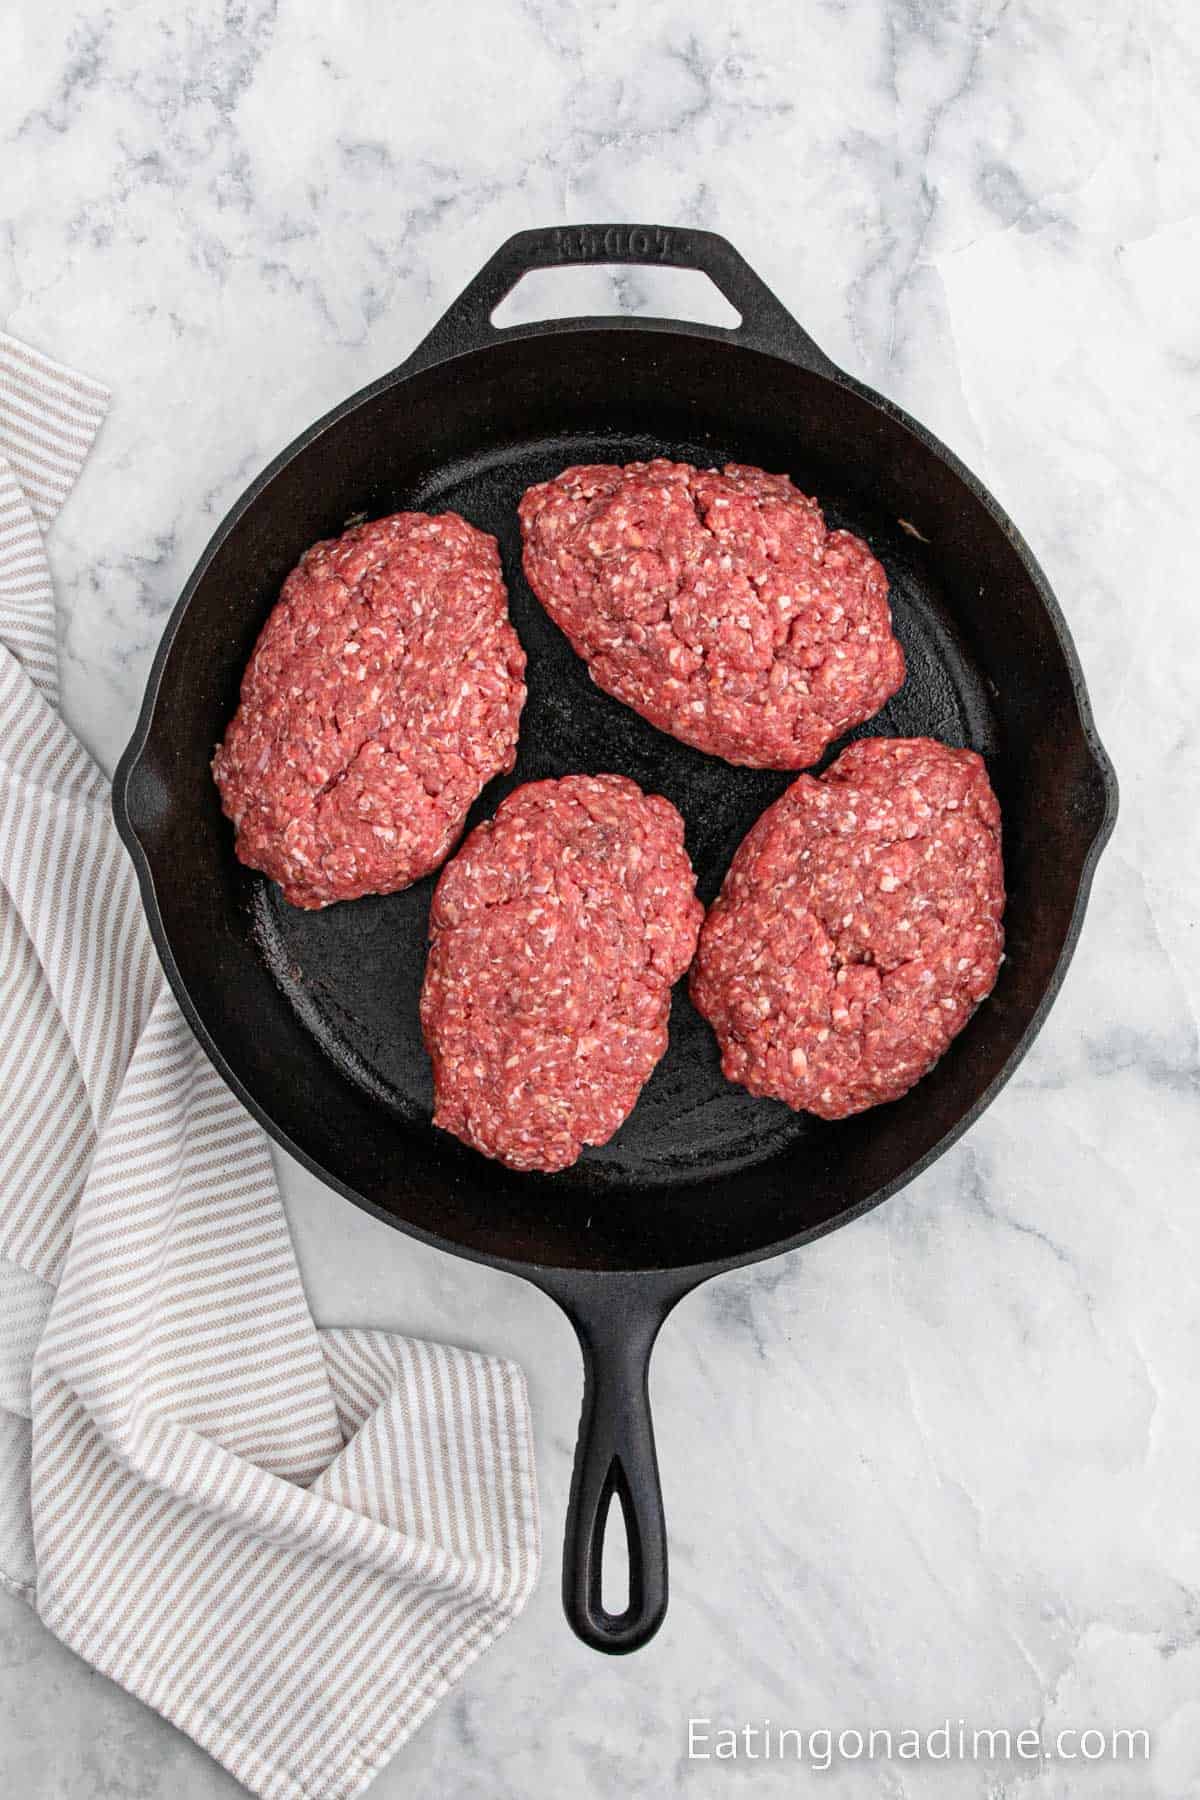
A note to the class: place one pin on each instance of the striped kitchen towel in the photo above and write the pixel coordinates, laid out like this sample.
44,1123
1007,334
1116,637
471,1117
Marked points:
289,1541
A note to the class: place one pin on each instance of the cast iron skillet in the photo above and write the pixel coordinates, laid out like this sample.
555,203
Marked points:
312,1017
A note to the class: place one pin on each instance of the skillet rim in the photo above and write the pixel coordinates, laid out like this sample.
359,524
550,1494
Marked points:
678,1277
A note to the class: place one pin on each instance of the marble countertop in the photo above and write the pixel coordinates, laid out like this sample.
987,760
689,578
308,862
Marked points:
945,1463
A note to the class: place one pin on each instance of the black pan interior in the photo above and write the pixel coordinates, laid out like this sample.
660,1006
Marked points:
315,1014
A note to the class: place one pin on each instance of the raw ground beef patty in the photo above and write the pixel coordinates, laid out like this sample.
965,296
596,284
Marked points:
715,604
555,936
858,927
384,691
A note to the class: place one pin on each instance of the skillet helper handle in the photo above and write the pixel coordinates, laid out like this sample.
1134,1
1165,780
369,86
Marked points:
765,323
615,1465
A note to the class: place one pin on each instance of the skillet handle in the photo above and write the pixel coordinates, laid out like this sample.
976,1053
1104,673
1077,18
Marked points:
616,1322
766,323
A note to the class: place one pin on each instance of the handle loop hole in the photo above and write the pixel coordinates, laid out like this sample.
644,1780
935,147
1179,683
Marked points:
595,289
615,1585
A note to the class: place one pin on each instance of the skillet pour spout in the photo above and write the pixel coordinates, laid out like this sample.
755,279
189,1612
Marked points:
312,1017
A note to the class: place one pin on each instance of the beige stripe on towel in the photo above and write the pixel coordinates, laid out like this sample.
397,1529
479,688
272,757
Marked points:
291,1542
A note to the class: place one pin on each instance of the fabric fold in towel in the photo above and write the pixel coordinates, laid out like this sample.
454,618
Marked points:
289,1541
